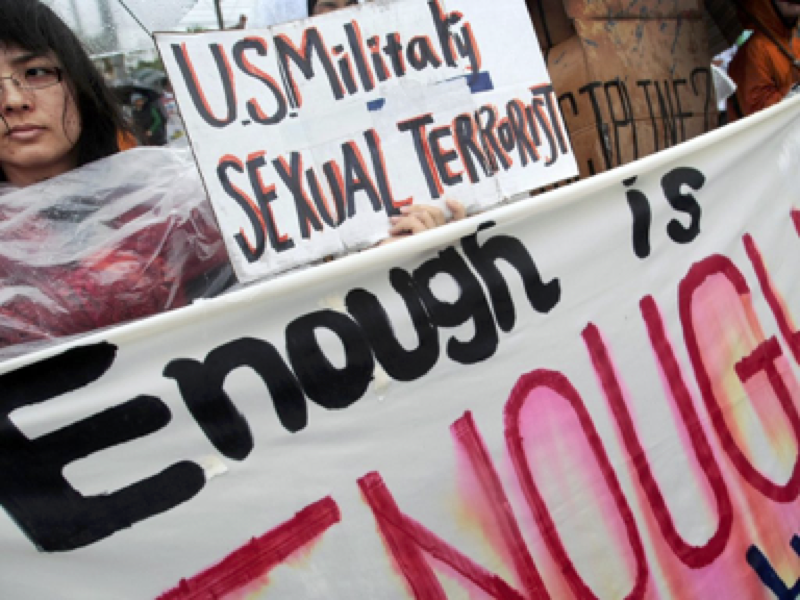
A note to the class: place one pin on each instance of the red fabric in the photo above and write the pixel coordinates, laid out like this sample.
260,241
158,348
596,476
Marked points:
763,74
65,273
144,275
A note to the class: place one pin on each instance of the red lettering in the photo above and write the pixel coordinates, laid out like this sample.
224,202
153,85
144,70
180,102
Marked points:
266,191
196,92
525,391
782,316
259,555
407,539
694,556
761,359
467,436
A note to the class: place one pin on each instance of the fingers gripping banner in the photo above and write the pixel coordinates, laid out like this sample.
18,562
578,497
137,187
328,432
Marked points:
588,394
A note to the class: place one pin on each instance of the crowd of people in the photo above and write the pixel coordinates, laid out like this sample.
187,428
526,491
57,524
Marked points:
143,239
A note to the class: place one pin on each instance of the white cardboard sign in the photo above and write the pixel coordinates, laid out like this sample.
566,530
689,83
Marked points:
310,135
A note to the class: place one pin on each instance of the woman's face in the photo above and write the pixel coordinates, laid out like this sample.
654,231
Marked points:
41,126
326,6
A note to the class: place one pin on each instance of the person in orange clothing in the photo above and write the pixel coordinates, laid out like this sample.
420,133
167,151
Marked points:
126,140
766,67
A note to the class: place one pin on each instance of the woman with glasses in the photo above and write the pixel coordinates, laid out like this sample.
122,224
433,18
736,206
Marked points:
42,128
57,111
87,243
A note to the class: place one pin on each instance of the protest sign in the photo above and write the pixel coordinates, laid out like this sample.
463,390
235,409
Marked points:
591,393
310,135
633,80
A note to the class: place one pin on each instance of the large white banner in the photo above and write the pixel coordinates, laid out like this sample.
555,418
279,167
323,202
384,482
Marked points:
311,135
592,393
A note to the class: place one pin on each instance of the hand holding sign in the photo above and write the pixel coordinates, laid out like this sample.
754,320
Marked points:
417,218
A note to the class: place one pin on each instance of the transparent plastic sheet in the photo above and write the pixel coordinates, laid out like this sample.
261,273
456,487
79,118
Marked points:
119,239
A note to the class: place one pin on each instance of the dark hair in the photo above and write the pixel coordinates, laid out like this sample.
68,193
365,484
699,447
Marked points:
311,5
32,26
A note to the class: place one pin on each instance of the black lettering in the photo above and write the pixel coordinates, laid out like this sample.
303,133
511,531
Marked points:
672,183
590,88
705,76
251,253
544,123
303,59
196,93
506,136
767,574
533,127
323,383
667,115
265,196
542,296
442,157
354,40
676,87
465,130
202,387
345,70
442,22
319,201
377,60
568,97
292,176
468,47
381,176
394,50
336,183
417,128
421,54
546,93
253,107
518,124
399,363
642,219
487,127
33,490
645,85
356,179
471,304
626,120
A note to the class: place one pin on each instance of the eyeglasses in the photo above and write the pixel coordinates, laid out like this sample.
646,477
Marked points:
33,78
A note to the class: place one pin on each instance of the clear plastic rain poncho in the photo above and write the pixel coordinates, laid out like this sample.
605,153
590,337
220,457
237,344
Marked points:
119,239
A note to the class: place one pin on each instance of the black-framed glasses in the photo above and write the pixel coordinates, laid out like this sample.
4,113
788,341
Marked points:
33,78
